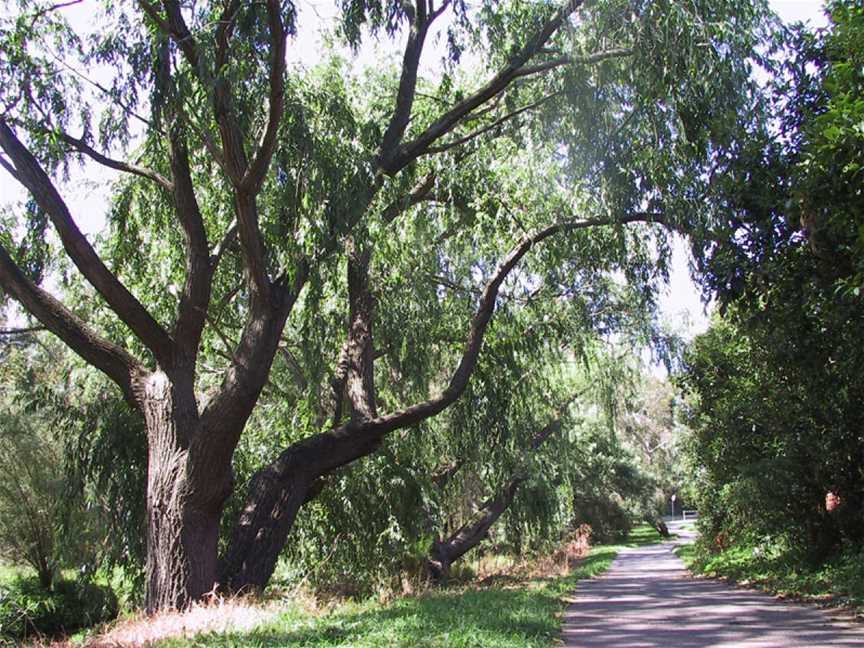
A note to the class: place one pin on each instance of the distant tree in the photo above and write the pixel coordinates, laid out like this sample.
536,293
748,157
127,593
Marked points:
776,401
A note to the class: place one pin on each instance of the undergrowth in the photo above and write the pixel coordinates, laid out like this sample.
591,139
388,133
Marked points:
505,611
838,581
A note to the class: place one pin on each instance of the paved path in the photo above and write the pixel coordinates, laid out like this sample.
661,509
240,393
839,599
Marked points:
648,599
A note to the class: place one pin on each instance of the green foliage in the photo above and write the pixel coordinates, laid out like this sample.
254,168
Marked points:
779,569
73,458
638,131
775,401
608,489
773,436
831,162
33,498
27,609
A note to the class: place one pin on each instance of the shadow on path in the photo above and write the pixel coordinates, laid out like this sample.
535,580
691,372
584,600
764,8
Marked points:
647,598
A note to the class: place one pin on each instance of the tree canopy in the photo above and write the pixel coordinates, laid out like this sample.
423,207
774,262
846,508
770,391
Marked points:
357,228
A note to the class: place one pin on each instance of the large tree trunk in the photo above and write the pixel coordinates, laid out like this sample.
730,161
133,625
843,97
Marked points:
184,497
262,530
276,494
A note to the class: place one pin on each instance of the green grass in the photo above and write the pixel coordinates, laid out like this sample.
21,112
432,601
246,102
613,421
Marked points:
839,581
643,535
9,573
521,614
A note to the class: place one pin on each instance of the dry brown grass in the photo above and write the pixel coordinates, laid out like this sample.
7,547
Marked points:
139,631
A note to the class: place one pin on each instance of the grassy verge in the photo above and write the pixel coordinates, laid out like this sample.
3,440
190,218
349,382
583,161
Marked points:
837,582
517,613
643,535
8,573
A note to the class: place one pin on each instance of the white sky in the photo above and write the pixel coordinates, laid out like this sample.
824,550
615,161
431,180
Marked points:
86,193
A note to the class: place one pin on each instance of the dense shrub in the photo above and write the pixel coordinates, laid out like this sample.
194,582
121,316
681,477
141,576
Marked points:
606,515
27,609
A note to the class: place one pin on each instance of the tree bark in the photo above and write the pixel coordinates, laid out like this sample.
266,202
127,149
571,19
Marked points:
184,506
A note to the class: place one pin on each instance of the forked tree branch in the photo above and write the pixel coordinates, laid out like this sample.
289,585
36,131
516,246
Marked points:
122,302
421,19
417,194
231,406
245,178
254,175
450,119
195,299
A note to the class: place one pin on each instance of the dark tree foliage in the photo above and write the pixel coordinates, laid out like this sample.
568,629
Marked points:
777,408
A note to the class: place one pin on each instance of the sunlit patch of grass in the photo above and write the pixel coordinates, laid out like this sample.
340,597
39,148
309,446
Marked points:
497,617
9,573
643,535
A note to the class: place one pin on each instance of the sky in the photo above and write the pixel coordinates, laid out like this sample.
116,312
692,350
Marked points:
680,304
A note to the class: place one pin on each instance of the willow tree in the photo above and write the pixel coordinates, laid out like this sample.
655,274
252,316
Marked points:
241,167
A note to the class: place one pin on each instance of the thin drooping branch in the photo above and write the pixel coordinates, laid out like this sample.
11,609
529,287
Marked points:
450,119
594,57
10,169
82,254
432,150
256,171
118,165
54,7
228,239
174,25
109,358
295,368
24,330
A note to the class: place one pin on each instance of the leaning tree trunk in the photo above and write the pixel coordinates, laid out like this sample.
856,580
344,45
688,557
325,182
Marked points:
185,498
445,552
276,494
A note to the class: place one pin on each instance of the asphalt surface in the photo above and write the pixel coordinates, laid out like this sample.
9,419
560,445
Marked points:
647,598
